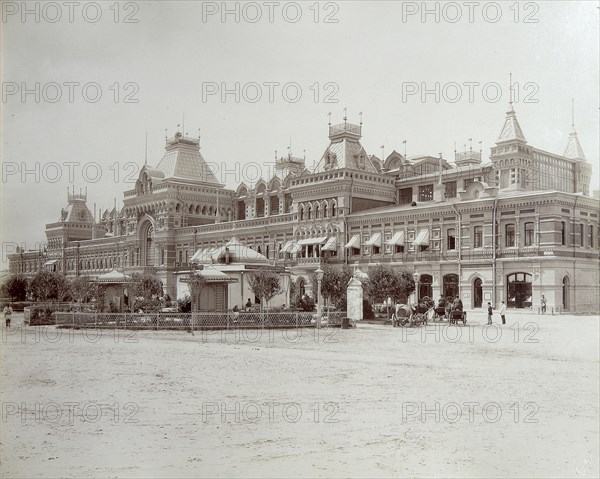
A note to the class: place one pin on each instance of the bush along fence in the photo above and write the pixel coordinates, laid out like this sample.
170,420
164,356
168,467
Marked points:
195,321
38,314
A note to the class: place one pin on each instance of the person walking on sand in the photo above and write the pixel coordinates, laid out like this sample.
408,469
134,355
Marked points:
7,314
503,312
490,312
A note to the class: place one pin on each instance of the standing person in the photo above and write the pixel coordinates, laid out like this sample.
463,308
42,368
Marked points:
543,304
248,305
7,314
503,312
490,312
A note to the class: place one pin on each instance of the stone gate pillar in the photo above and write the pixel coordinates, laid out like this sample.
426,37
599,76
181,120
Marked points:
354,301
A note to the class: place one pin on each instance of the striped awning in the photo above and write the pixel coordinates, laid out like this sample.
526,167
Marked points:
309,241
296,248
397,239
422,238
51,262
331,244
374,240
287,247
354,242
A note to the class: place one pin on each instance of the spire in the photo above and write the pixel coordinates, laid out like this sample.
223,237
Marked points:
574,150
511,129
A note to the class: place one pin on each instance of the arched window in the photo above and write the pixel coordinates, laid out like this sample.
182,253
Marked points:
317,212
333,210
150,249
563,233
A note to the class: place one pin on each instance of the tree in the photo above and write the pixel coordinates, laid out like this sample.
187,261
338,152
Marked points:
82,288
196,284
47,285
334,284
145,285
63,287
265,285
145,290
384,283
16,287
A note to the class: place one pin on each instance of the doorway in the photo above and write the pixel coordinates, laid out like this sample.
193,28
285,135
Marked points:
477,293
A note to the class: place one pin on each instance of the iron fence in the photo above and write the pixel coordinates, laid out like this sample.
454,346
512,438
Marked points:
196,321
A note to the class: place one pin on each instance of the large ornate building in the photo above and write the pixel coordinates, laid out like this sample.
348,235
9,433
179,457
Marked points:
512,228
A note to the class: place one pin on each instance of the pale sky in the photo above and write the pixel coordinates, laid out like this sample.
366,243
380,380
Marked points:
364,62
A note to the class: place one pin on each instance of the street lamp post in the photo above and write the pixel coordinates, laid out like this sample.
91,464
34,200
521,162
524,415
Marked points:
319,274
416,277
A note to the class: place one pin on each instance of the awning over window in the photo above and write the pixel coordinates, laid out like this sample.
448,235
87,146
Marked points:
287,247
374,240
422,238
296,248
52,261
397,239
331,244
354,242
309,241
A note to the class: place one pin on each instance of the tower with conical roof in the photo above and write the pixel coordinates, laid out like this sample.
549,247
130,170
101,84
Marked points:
513,157
574,151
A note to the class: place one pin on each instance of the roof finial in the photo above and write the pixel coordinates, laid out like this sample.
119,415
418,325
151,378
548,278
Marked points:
329,115
183,124
510,90
275,154
360,115
345,114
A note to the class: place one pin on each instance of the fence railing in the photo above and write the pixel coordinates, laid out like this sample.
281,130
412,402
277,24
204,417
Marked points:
196,321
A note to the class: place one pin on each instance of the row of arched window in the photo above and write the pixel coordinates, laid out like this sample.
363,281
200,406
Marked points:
316,210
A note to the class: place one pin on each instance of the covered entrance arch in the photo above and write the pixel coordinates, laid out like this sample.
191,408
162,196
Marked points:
519,290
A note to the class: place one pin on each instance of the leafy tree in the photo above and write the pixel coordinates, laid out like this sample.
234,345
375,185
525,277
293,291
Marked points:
81,288
145,285
63,287
47,285
265,285
385,283
335,284
144,288
196,284
16,287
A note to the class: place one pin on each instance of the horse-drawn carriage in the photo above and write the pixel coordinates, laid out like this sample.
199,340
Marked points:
457,315
411,315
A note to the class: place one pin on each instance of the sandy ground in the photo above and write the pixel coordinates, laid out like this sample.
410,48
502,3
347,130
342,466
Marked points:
520,401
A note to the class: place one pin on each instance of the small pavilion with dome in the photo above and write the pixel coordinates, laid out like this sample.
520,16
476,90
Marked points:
225,270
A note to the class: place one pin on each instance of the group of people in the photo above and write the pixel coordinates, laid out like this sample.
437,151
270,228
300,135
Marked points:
502,311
